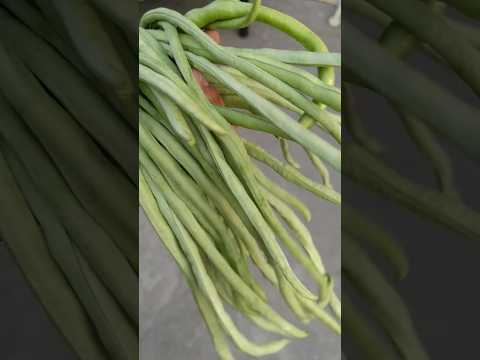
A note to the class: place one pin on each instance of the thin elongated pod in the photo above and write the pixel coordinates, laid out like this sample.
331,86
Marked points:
212,205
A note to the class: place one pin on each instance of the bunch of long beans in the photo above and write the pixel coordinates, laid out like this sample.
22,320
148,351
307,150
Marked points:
430,114
68,165
212,206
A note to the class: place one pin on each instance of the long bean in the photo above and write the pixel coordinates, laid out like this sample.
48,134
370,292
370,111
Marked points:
291,174
401,43
73,92
321,168
80,20
354,122
231,60
217,208
434,30
170,89
148,203
272,221
206,284
212,220
115,330
27,244
371,344
230,214
99,194
300,80
238,190
121,13
96,246
29,15
254,212
301,232
258,88
199,232
283,194
317,145
216,11
355,224
70,172
249,121
468,7
124,44
375,174
411,89
174,116
389,309
297,57
228,203
320,279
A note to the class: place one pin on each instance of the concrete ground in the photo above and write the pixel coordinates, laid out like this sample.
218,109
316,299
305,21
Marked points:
171,327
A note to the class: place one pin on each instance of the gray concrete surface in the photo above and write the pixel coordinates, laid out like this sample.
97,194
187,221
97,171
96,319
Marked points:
171,327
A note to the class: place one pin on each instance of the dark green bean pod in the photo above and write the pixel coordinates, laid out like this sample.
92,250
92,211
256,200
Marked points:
27,244
116,332
85,29
73,151
373,173
385,303
99,250
33,18
74,93
468,7
433,29
442,111
122,13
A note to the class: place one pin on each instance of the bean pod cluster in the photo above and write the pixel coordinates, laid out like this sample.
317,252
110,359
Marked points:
213,207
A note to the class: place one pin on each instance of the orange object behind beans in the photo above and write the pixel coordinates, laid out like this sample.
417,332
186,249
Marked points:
212,94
